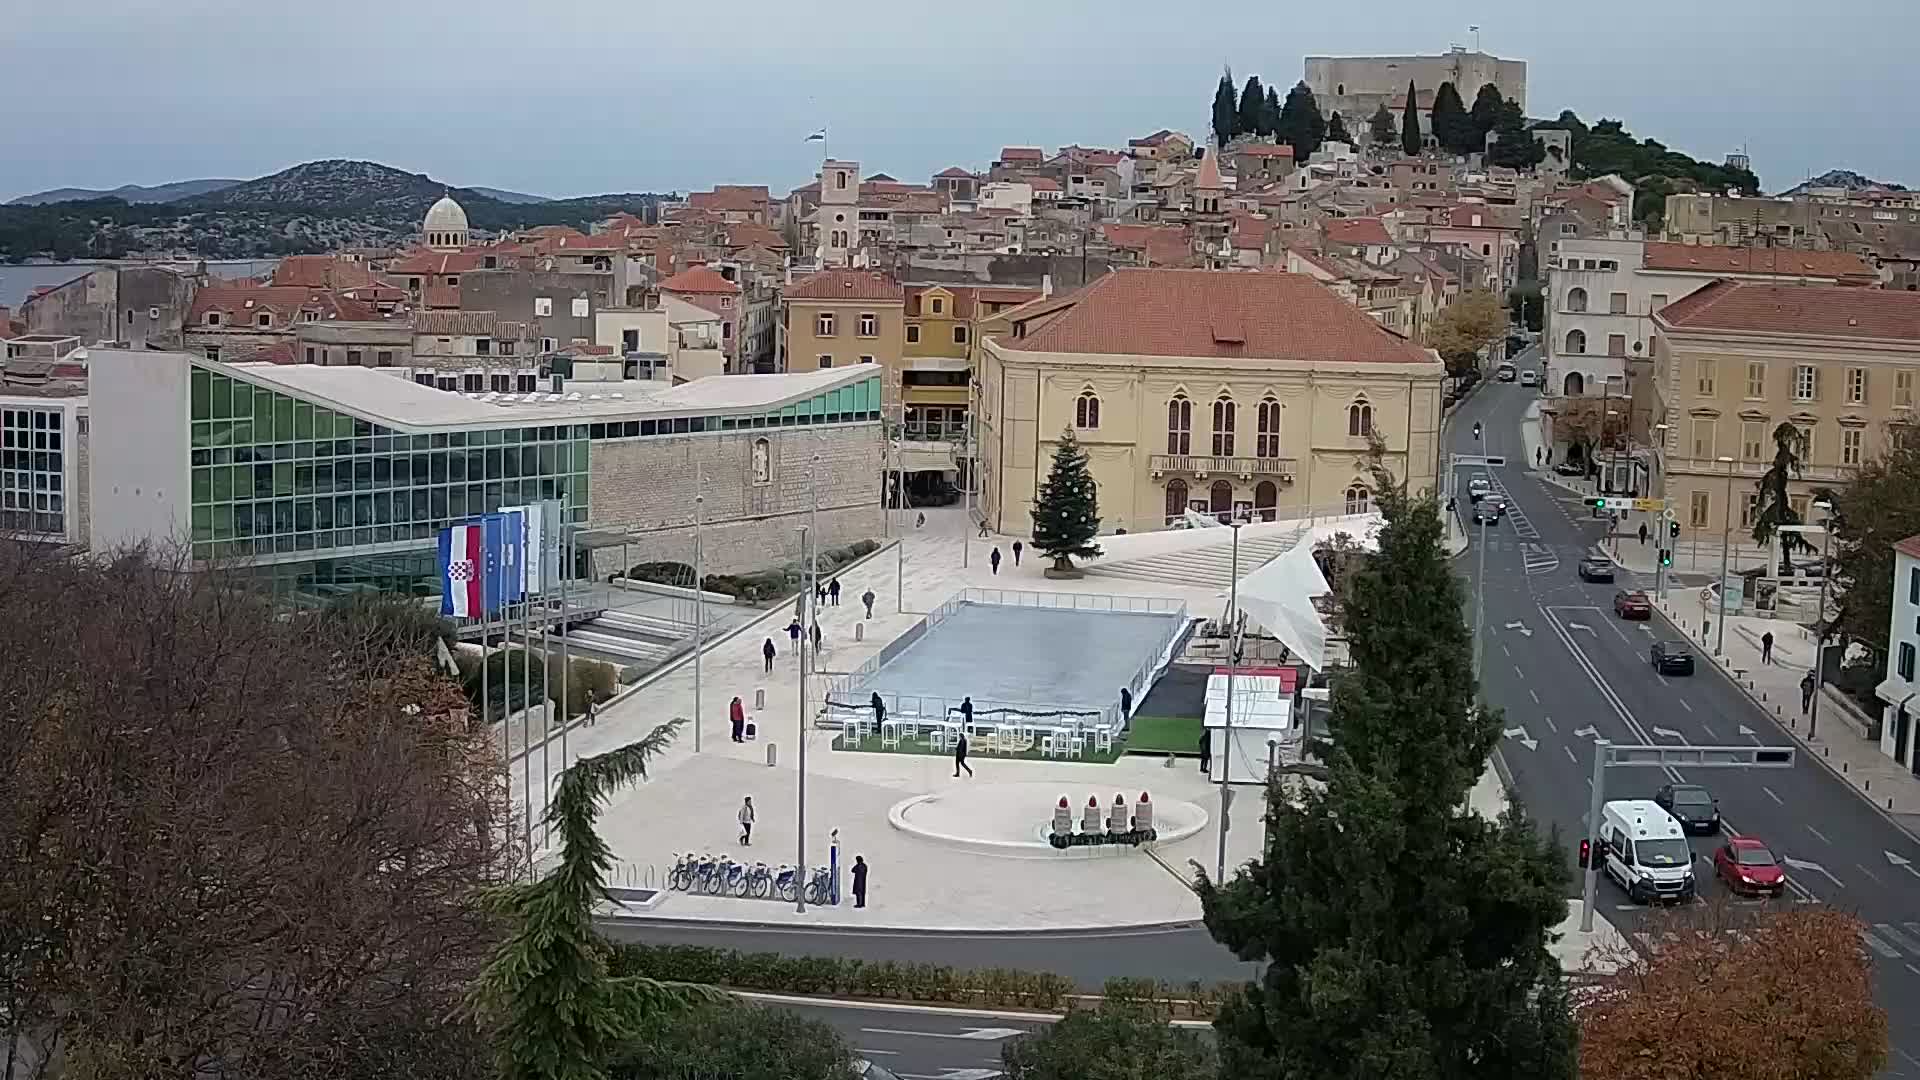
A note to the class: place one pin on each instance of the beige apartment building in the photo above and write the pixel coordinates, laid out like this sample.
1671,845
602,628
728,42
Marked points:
1250,392
837,318
1737,358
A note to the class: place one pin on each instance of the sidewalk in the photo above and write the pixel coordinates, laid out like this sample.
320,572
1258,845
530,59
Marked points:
1842,743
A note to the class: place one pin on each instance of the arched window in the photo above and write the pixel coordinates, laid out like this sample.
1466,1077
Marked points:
1220,500
1223,417
1266,442
1359,500
1575,384
1576,342
1266,500
1086,411
1179,425
1176,500
1576,299
1360,418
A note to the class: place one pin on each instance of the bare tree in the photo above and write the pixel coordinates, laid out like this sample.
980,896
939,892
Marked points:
234,841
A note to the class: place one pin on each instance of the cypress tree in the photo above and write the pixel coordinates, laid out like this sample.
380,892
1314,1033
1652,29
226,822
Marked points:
1301,126
1452,128
1271,117
1253,106
1384,130
1224,114
1410,122
1337,130
1402,934
1485,112
1066,509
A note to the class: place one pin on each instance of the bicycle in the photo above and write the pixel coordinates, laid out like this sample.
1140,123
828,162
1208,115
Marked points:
759,881
786,882
680,878
819,886
735,879
706,873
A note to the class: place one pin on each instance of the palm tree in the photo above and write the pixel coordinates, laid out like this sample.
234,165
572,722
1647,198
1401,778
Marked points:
556,1012
1772,509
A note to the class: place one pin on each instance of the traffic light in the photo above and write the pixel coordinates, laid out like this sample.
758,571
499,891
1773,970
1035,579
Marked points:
1476,429
1666,557
1673,529
1586,852
1597,503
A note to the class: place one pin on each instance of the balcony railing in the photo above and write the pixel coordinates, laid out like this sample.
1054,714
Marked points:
1231,466
1756,469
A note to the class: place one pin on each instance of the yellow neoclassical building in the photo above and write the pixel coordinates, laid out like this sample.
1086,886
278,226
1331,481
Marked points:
1216,391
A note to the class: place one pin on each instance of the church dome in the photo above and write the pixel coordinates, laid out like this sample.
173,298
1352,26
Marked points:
445,225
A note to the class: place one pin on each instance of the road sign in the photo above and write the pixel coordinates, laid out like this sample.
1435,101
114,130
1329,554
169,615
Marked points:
1621,502
1649,505
1671,514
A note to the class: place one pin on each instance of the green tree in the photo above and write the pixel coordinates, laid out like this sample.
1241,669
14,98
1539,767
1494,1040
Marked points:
1452,127
1270,116
555,1010
1473,321
1250,118
1402,934
1066,509
1410,140
1384,131
1301,126
1337,130
1485,111
1117,1040
735,1040
1878,507
1225,116
1514,146
1773,509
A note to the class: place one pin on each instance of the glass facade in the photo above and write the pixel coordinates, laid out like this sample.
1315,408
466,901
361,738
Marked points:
33,472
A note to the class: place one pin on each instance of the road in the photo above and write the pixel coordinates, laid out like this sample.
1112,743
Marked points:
1566,671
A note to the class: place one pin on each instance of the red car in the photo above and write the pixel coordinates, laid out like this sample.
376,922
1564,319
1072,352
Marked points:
1747,866
1632,605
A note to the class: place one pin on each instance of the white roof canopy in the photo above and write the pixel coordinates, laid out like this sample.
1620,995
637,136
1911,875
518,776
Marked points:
1279,596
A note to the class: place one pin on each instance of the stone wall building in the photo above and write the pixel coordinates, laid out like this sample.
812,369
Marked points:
1355,86
138,306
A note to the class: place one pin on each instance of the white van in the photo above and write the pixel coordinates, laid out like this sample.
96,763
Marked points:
1646,851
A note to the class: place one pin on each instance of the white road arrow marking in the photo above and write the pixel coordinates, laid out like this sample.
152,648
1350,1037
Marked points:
1814,867
1580,626
1747,731
1587,732
1666,733
954,1074
972,1034
1902,863
1521,733
1522,627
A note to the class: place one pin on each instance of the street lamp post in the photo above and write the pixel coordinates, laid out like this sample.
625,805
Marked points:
810,550
1233,664
1480,608
1726,547
699,605
1820,621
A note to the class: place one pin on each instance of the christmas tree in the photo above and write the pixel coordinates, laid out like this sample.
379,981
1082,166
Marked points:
1066,509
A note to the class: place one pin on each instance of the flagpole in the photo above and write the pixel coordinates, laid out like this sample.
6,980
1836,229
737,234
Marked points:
526,718
565,540
699,607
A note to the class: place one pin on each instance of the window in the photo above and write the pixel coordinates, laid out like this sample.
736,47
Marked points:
1359,418
1749,510
213,318
1609,264
1806,446
1753,440
310,358
263,319
1703,377
1576,299
1086,411
1857,386
383,358
866,359
1266,443
959,335
1703,437
913,335
1179,426
1756,380
1616,344
353,357
826,360
1576,342
542,306
1906,660
1697,510
939,305
1617,303
823,324
1658,301
1176,500
726,302
1903,389
1224,415
1850,442
213,352
153,313
1358,499
1913,586
869,324
547,344
1806,382
1568,228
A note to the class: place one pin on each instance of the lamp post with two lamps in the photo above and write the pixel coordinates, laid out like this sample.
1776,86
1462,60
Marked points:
1820,620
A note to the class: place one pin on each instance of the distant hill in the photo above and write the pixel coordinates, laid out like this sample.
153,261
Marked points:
518,198
1841,178
132,193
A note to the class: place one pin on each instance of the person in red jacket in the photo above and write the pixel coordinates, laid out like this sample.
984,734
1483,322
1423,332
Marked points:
737,713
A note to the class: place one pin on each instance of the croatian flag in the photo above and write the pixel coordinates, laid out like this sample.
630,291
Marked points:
464,562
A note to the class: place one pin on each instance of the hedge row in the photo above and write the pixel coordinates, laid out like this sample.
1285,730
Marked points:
758,587
848,977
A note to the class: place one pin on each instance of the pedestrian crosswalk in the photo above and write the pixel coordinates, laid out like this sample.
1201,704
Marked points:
1898,942
1540,559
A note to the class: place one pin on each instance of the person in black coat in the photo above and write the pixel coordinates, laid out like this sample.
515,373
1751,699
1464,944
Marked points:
879,710
859,881
960,755
767,651
995,560
1206,750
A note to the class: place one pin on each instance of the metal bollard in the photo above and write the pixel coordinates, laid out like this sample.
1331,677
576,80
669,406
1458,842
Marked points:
859,631
773,754
760,698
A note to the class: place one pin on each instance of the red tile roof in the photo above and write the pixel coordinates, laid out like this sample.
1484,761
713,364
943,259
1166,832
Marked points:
321,272
1250,231
1831,311
1841,265
733,197
701,280
1265,150
1022,153
955,172
1158,138
1043,183
749,234
1259,315
1909,547
1363,230
441,296
967,298
437,262
1163,244
241,305
846,285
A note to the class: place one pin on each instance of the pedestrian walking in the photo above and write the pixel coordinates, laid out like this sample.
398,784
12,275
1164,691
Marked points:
867,599
1536,455
960,754
1643,534
920,520
1806,693
767,651
1549,455
879,711
793,631
1206,751
983,528
816,637
859,881
746,822
833,591
1766,647
1126,703
593,711
819,594
1016,553
995,560
737,714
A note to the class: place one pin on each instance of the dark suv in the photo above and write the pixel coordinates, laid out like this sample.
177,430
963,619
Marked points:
1672,658
1693,806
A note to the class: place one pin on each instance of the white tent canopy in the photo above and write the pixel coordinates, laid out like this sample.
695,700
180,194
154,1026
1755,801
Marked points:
1278,597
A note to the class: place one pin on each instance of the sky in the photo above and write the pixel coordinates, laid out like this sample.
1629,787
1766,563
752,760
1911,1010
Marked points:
574,97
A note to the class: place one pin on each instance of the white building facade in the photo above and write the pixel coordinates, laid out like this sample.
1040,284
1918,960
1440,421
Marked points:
1900,690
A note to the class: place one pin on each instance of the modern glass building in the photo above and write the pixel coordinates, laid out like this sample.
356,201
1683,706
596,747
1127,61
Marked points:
327,479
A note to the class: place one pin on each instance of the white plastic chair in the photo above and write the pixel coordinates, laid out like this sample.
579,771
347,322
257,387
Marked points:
1076,745
1102,740
890,734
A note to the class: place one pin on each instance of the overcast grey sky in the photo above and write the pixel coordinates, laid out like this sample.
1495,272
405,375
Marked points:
574,97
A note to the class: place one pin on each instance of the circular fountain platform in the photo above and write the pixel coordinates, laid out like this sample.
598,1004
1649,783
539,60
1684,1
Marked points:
1014,820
